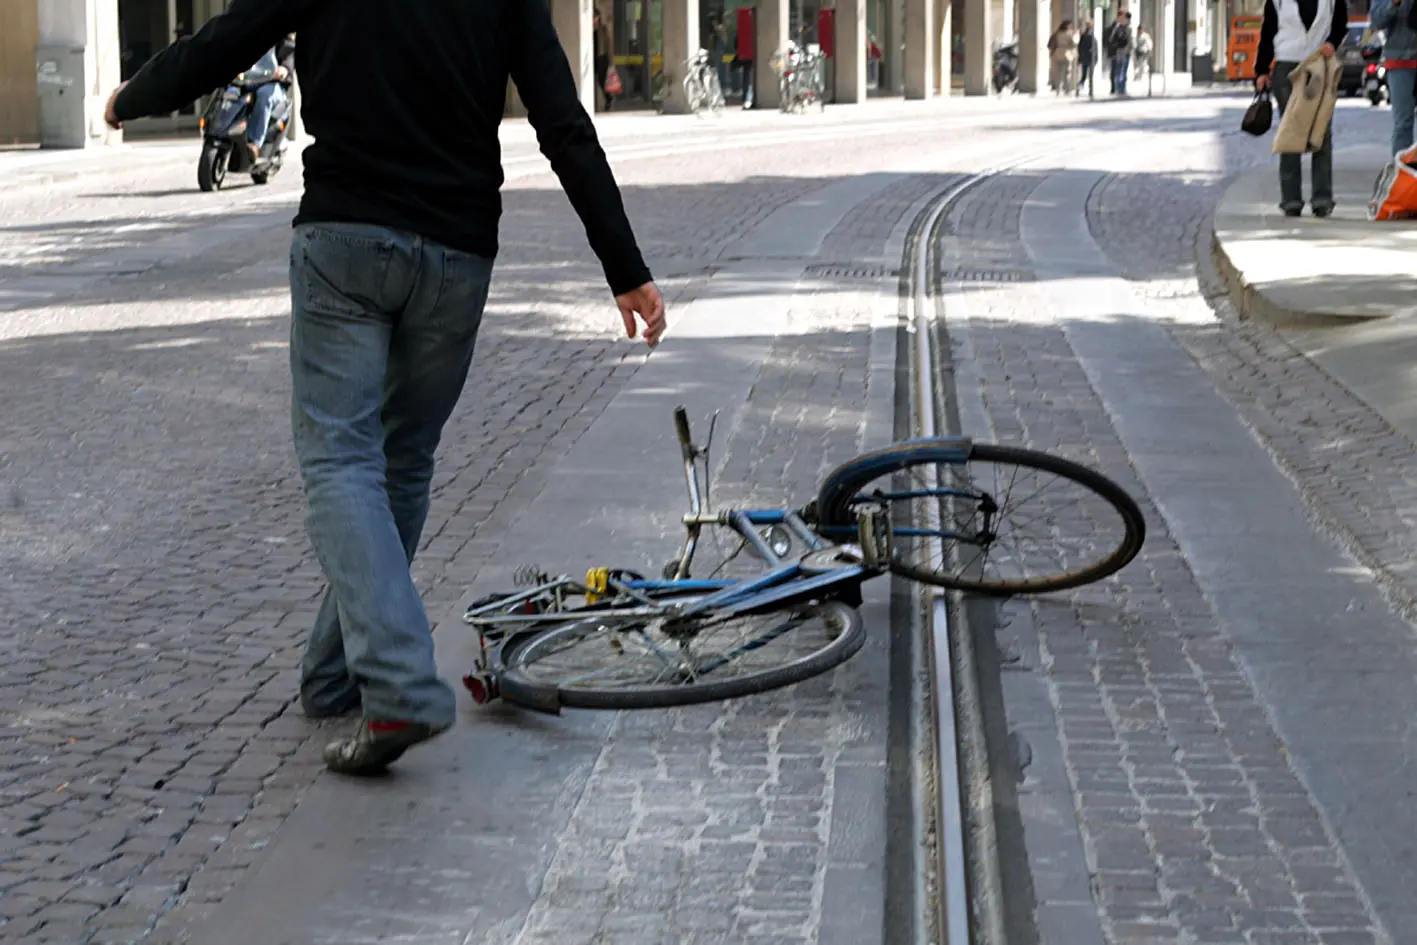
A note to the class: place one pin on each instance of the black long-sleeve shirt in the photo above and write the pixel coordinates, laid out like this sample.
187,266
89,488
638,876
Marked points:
403,100
1308,9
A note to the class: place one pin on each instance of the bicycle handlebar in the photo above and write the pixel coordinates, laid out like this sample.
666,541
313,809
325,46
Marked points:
681,428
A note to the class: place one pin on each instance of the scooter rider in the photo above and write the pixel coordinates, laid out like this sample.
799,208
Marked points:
273,95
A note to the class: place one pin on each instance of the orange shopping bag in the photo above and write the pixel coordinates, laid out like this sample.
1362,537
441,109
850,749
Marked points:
1395,192
612,82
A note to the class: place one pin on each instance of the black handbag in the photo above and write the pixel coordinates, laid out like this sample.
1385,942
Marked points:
1259,116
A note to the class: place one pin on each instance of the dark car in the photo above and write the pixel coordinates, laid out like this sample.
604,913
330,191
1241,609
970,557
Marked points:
1350,53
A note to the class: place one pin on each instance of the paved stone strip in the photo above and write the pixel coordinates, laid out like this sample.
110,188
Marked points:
722,824
1355,468
1195,825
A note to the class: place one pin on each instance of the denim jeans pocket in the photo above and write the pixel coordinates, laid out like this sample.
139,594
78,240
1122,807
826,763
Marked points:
341,268
462,293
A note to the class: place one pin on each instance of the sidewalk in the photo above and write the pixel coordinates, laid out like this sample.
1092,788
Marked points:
1343,291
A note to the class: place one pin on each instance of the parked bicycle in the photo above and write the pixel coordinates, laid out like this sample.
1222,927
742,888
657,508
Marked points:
620,640
701,86
801,78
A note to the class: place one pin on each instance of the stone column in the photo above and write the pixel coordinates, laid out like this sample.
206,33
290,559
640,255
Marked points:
1033,45
772,29
681,41
978,47
850,51
1001,19
76,69
1163,35
891,44
574,24
944,48
920,41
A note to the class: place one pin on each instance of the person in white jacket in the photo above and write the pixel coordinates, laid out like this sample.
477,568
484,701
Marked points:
1293,31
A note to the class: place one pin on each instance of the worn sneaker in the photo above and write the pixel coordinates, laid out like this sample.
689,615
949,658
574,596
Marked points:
376,745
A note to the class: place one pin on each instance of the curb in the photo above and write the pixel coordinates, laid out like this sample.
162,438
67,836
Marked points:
1253,304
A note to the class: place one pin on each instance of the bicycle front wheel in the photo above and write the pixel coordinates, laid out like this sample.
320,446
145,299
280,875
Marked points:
1007,520
657,662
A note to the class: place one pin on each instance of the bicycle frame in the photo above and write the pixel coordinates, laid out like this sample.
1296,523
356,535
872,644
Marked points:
809,576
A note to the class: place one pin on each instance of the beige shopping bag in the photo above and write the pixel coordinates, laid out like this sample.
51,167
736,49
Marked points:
1313,96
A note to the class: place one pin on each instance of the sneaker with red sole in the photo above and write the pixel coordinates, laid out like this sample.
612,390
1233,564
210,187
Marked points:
376,745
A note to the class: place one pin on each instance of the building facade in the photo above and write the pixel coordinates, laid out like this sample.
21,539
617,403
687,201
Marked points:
63,57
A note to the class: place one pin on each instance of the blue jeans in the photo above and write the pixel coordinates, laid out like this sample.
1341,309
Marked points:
1291,168
382,333
1400,89
269,97
1121,65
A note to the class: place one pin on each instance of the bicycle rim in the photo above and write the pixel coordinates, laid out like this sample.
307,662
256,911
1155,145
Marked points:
1009,520
639,663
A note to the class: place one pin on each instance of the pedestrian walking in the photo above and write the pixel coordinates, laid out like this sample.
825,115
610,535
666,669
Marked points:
602,53
1142,54
718,47
390,266
1395,18
1063,50
1087,58
1119,51
1291,32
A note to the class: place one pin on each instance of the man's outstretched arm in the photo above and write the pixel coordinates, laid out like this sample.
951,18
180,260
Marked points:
194,65
568,139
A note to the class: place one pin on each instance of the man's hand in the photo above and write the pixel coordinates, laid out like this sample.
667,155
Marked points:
647,303
1326,50
281,73
109,115
1261,82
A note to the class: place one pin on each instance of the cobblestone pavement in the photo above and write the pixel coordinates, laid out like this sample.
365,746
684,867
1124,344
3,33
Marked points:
1203,816
158,584
155,575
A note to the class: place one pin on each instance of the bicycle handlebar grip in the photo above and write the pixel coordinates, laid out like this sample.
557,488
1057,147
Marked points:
681,428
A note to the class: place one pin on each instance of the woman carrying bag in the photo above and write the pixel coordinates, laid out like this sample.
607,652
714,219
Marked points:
1294,31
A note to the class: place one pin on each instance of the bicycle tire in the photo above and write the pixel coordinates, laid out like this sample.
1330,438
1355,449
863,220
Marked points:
520,688
843,484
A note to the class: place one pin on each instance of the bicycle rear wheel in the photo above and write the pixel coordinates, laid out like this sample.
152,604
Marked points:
640,662
970,499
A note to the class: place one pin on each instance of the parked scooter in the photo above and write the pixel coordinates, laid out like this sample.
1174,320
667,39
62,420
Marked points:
224,133
1006,68
1374,75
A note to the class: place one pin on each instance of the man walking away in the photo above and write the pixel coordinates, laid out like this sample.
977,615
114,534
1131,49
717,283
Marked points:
391,261
1400,59
1289,35
1087,58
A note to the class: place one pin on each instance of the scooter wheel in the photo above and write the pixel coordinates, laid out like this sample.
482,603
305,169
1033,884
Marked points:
211,169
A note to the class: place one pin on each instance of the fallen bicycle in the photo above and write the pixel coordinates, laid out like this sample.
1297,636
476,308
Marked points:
619,640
